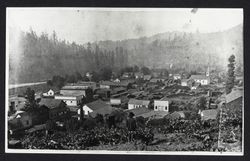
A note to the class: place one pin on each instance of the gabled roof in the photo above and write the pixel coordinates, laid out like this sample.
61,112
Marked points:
74,87
50,103
139,102
98,104
235,94
199,77
139,111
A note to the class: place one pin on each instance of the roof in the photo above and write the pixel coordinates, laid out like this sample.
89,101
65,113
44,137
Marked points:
209,114
109,83
154,114
139,74
50,103
139,102
118,89
98,104
103,111
199,77
139,111
155,80
235,94
176,115
16,98
147,76
74,87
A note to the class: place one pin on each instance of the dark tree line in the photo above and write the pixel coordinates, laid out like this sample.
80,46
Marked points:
45,56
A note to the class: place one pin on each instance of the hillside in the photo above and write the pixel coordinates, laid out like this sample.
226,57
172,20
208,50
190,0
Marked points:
37,58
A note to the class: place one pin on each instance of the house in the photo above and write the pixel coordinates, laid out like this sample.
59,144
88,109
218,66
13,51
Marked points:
112,85
161,105
138,75
195,86
57,108
50,93
120,101
134,103
157,80
84,84
139,111
234,99
127,75
70,100
16,103
19,120
202,79
176,76
76,89
187,82
147,77
210,114
103,93
96,107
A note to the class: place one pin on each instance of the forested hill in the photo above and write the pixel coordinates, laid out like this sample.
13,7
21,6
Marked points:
36,58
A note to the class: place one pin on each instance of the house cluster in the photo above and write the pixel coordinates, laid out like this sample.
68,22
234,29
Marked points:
147,96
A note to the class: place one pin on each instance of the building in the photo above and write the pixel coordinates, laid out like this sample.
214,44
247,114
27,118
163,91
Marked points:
176,76
161,105
210,114
19,120
234,99
16,103
138,75
120,101
96,107
147,77
70,100
187,82
202,79
86,85
103,93
75,89
57,108
134,103
50,93
112,85
139,111
157,80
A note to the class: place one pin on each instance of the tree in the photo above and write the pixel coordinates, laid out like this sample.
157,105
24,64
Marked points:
30,95
145,70
106,73
230,74
202,103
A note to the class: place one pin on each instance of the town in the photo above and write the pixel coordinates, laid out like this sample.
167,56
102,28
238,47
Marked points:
173,110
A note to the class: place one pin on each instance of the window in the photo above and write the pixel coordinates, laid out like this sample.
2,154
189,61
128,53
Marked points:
27,122
156,107
166,107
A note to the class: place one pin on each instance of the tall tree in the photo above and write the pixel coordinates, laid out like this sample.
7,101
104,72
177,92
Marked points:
230,74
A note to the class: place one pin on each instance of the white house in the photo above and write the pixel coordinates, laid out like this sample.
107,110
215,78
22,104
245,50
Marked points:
70,100
96,107
134,103
202,79
115,101
177,76
50,93
161,105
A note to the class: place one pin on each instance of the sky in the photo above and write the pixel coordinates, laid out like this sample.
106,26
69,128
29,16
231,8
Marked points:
83,25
